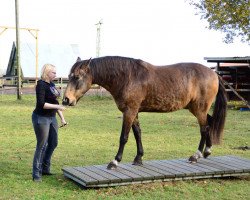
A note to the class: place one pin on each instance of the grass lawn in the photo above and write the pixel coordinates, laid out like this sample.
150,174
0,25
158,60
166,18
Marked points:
92,138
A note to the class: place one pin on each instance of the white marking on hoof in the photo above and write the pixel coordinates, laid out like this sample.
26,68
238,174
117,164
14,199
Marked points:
194,158
112,165
115,162
207,149
207,152
198,154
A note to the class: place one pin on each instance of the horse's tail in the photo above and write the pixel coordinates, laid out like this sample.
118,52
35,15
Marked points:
219,114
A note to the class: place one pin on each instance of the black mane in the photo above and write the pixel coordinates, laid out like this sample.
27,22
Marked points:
115,69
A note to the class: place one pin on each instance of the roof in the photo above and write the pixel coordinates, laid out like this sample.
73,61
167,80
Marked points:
245,59
63,56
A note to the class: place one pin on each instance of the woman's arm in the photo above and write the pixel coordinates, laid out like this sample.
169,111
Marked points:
60,113
59,108
53,106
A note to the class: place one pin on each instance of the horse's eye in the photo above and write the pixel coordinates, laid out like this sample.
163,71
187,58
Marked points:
74,78
79,84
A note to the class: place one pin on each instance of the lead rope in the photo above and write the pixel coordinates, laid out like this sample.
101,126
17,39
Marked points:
18,150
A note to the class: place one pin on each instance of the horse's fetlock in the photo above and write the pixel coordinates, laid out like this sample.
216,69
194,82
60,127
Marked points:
207,152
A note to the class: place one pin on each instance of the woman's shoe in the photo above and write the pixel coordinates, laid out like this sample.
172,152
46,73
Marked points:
47,174
37,180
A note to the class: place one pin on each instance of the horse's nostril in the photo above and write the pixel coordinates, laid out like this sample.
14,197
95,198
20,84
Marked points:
65,101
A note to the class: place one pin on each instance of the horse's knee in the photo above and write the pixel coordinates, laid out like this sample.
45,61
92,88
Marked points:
123,140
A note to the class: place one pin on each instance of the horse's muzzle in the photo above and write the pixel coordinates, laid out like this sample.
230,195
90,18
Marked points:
65,101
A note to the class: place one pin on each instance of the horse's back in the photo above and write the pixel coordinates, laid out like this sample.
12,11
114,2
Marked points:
185,74
173,87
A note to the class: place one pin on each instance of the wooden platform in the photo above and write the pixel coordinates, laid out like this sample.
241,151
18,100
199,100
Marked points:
158,170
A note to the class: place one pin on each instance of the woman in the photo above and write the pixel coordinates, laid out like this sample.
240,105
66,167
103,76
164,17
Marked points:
45,123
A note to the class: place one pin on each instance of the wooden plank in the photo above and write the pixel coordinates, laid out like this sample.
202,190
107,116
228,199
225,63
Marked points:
145,176
178,172
169,173
240,159
210,169
198,169
169,163
189,166
155,172
237,168
103,173
135,175
158,170
230,165
76,179
123,177
99,178
220,166
82,177
149,171
243,166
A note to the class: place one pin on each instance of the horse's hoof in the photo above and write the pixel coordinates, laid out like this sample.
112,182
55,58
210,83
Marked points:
192,159
206,154
112,165
138,163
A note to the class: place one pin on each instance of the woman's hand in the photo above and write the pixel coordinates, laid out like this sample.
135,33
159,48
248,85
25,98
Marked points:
64,123
61,107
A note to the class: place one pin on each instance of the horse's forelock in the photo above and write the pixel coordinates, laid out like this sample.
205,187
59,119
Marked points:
76,67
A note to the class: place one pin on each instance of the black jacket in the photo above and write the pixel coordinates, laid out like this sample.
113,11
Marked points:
45,94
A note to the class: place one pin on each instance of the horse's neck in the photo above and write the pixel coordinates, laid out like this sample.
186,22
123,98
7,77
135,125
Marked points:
105,81
99,79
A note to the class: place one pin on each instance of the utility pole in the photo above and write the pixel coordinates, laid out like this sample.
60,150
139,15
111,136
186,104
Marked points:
18,51
98,38
98,45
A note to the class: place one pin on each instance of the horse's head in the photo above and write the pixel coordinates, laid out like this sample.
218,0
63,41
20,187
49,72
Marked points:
80,80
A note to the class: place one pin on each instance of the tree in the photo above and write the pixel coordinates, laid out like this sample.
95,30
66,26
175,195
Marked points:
229,16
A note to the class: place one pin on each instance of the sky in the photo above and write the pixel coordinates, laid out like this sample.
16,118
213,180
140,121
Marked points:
160,32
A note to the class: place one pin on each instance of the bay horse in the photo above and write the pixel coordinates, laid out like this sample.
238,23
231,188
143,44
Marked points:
138,86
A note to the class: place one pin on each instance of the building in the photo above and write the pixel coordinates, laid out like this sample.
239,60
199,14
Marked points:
63,56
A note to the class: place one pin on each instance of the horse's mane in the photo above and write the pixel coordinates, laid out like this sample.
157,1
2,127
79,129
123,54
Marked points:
118,69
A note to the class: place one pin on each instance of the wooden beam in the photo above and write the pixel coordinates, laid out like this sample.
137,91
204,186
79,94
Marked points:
10,27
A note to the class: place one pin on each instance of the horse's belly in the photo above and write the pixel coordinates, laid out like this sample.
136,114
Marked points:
162,104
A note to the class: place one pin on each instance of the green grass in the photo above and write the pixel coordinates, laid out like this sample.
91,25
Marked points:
92,138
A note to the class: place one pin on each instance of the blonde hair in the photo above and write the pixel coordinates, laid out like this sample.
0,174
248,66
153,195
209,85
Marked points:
45,71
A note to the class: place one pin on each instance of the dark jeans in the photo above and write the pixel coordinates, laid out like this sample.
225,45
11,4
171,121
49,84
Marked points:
46,129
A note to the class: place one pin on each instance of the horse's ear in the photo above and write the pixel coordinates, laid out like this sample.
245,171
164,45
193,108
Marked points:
78,59
85,67
88,63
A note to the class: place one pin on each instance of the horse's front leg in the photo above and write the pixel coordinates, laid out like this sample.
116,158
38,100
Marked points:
137,133
128,118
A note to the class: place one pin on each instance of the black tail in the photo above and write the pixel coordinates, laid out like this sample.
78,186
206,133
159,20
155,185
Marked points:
219,114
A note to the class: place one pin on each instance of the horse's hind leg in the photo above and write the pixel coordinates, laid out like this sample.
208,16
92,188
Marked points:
137,133
204,131
207,150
